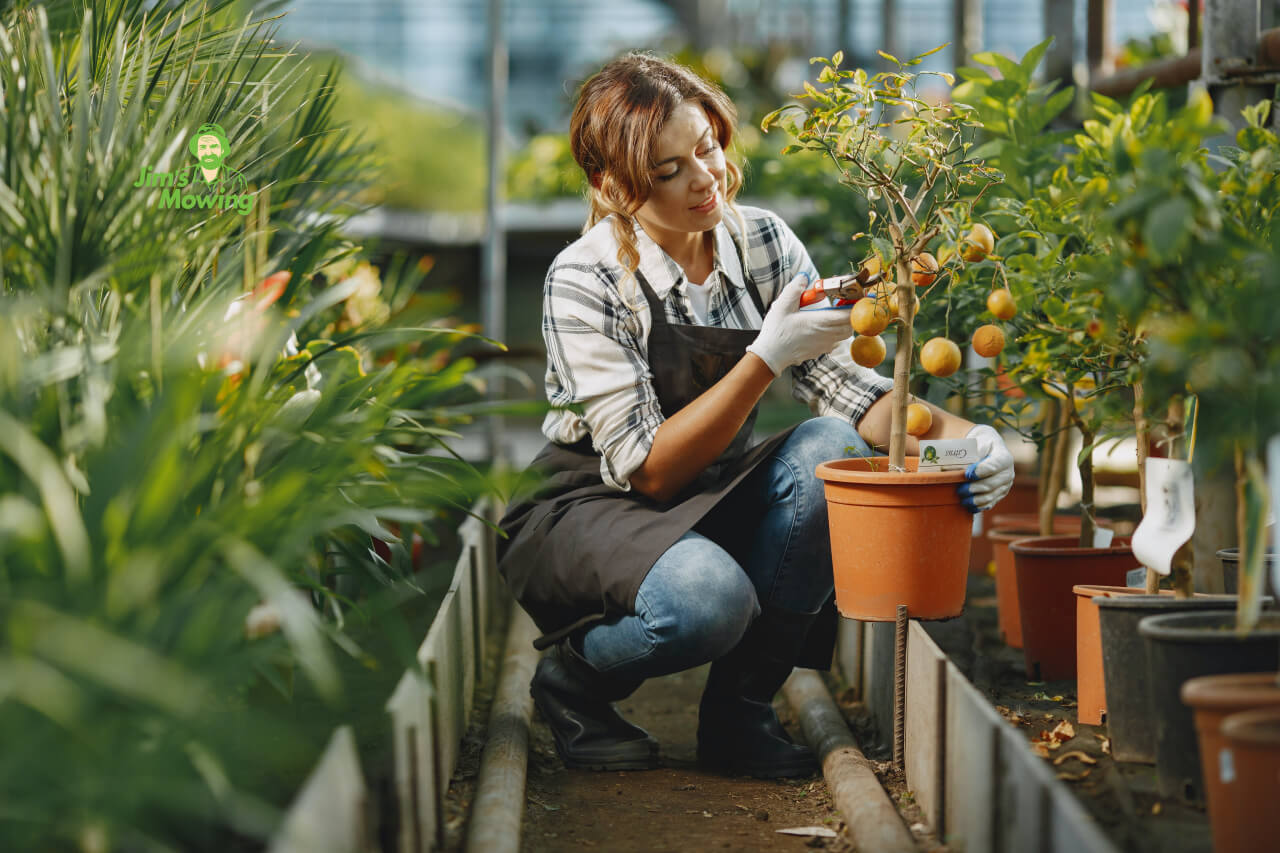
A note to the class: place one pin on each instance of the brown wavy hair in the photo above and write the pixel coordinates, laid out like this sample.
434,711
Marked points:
614,133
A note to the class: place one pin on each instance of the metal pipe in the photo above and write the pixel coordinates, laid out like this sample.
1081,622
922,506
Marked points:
494,261
1180,70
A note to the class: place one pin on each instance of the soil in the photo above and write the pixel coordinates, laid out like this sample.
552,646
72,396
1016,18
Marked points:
677,807
680,807
1120,796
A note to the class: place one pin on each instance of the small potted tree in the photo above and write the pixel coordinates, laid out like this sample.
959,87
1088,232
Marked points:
899,536
1197,238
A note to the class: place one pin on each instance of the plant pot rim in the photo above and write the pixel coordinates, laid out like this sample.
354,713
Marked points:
1233,554
1097,590
1259,727
874,470
1142,600
1232,690
1211,626
1065,546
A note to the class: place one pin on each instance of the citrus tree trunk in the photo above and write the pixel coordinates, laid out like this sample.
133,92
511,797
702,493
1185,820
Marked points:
904,351
1142,429
1085,464
1057,469
1184,558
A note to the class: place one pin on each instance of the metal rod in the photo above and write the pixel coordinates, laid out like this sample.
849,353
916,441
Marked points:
494,261
900,688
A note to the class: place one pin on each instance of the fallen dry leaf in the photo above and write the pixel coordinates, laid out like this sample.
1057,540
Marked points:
1075,753
1106,743
1064,731
1157,808
1075,777
809,831
1040,748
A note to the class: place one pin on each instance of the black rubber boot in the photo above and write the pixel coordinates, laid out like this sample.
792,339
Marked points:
738,732
576,701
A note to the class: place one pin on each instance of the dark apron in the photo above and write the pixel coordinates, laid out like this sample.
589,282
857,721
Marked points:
577,549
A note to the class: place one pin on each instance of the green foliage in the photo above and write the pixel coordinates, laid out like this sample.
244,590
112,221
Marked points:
195,454
911,161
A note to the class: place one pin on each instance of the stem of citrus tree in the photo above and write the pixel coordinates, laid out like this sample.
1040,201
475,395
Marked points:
1184,558
1057,470
905,292
1242,537
1085,465
1142,428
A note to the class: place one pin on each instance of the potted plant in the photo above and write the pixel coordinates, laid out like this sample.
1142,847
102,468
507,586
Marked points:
910,158
1194,249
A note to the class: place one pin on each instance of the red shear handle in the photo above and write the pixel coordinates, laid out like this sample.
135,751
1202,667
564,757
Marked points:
812,295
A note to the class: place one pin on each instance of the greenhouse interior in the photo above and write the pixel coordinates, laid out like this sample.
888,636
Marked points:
487,426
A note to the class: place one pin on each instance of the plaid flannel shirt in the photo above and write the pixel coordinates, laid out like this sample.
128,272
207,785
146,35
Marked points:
596,322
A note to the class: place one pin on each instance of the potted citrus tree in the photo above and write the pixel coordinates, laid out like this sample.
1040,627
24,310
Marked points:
910,158
1197,245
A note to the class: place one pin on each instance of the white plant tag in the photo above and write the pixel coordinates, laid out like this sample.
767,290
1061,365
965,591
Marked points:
1226,766
1171,515
948,454
1102,537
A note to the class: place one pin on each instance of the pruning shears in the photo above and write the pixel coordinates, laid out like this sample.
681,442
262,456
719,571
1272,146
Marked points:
840,291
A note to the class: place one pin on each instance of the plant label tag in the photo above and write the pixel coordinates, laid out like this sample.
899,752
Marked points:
948,454
1226,765
1170,518
1102,537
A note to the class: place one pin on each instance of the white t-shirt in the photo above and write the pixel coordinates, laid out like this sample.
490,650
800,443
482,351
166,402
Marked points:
700,297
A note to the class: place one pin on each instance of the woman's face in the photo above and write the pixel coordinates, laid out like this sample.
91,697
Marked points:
688,176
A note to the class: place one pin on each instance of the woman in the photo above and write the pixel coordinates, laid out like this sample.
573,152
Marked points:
661,538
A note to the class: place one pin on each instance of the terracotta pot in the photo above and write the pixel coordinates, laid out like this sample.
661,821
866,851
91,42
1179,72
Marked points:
1021,499
1213,698
1091,689
1010,528
896,538
1253,738
1047,568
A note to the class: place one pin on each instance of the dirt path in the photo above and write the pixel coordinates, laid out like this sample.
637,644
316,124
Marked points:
677,807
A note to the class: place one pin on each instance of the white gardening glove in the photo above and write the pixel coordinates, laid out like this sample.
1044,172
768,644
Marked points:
789,336
990,478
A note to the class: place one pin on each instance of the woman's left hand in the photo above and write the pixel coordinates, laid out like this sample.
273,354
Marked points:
990,478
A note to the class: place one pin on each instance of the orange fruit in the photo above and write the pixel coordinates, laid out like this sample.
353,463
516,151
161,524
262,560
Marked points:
870,267
869,317
978,243
919,419
924,269
893,303
940,356
1000,303
988,341
867,350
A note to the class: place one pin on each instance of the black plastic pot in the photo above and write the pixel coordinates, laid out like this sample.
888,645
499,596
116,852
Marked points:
1124,666
1182,646
1230,558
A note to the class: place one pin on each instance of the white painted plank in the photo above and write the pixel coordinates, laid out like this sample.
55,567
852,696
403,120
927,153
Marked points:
328,815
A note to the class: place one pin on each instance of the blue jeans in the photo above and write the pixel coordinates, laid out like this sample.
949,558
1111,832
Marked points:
766,543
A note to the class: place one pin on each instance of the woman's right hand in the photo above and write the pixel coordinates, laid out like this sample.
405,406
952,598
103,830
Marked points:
789,336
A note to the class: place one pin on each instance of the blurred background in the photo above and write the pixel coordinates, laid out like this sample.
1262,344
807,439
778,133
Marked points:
418,82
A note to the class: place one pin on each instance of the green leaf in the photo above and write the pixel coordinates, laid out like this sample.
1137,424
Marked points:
1166,225
1031,59
890,57
837,58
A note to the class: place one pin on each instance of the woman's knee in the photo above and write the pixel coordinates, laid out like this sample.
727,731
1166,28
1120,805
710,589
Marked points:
705,598
825,438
